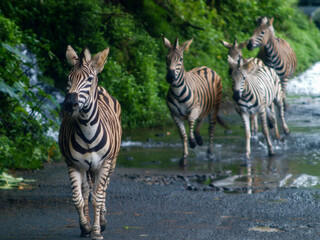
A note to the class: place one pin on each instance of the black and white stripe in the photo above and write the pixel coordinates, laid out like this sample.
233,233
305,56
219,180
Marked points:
192,96
90,137
235,52
255,92
275,52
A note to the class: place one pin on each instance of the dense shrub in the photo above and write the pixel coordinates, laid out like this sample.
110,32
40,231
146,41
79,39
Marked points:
135,71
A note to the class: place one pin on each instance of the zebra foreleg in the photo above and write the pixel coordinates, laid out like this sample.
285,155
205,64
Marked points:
254,125
76,179
98,201
192,118
246,122
184,138
197,132
86,193
273,121
103,220
265,130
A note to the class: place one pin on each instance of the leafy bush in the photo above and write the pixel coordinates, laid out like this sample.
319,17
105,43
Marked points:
23,143
135,71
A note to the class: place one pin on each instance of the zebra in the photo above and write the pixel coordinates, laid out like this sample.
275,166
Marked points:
254,91
235,52
275,52
193,95
89,137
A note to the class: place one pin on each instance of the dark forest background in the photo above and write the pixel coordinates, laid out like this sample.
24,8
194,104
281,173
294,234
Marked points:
34,36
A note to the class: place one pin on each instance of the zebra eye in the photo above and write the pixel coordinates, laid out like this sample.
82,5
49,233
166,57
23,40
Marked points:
262,32
90,79
181,59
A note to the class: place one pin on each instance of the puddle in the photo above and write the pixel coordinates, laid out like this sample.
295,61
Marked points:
296,163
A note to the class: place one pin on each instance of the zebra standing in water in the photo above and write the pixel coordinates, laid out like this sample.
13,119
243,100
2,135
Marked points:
235,52
254,91
90,137
275,52
192,96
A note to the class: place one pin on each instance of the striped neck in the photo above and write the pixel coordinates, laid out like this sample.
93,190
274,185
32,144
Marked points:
89,111
270,49
178,85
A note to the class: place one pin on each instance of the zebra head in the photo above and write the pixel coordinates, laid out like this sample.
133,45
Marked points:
235,50
175,58
262,33
239,75
82,79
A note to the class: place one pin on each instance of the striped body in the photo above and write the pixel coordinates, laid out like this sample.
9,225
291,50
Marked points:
275,52
255,92
89,138
235,52
192,96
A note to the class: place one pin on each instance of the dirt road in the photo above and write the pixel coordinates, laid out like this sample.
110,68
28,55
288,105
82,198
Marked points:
137,210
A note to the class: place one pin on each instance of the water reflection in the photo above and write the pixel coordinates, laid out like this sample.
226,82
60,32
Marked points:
296,163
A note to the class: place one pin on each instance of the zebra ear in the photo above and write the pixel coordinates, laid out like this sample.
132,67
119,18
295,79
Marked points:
166,42
270,23
85,56
176,43
226,44
185,46
72,56
99,60
243,44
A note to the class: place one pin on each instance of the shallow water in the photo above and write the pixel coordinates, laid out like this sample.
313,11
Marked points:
296,163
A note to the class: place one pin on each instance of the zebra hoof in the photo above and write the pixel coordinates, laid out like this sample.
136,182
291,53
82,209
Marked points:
271,154
95,234
192,143
199,140
103,222
183,162
287,132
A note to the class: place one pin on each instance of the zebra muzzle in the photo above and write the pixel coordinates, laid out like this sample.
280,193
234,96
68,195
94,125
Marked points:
171,76
236,95
71,103
250,45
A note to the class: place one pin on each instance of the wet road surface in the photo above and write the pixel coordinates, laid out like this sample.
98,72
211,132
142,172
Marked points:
137,210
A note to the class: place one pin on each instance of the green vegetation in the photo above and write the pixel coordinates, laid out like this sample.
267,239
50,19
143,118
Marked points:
135,71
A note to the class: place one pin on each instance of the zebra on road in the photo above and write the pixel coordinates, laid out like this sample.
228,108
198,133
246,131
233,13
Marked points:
235,52
254,92
90,137
193,95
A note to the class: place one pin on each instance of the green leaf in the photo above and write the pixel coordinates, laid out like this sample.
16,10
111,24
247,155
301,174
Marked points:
5,88
16,52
